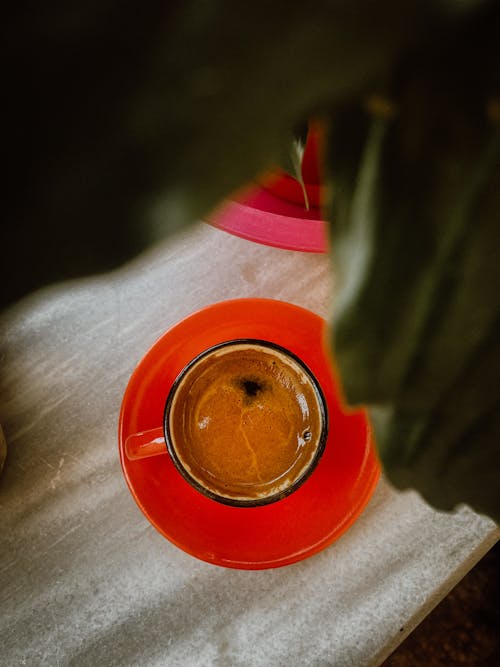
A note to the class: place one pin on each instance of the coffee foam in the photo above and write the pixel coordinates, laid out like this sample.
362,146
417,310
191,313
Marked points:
246,422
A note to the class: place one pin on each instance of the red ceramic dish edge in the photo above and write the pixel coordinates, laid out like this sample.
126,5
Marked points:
365,483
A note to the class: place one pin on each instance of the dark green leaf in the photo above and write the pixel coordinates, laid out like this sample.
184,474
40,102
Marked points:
416,241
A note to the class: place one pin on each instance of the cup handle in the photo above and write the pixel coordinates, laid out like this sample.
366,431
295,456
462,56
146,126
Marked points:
145,444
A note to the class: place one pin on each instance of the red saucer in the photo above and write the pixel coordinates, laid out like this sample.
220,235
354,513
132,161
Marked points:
249,538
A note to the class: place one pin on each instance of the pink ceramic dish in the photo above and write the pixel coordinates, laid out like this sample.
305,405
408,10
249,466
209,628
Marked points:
273,210
262,216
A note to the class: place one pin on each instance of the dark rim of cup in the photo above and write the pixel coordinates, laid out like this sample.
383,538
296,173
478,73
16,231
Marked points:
235,502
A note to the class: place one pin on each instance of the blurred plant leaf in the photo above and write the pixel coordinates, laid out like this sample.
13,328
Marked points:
416,325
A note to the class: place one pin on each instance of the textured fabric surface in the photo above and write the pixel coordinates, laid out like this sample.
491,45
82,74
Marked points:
86,580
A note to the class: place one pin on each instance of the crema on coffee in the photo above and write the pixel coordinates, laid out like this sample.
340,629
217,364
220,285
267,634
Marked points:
246,422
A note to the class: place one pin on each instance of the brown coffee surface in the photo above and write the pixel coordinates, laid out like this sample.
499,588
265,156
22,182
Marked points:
246,422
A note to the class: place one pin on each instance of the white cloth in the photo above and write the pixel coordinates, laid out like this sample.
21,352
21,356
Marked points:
86,580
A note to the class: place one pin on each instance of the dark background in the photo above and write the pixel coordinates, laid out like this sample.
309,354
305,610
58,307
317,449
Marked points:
464,629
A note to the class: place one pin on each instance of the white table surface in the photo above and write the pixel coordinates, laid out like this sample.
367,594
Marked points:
86,580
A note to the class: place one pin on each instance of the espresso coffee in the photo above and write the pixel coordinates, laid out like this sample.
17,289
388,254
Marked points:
245,422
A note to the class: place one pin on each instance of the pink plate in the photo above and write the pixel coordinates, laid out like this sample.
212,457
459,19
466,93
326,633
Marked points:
273,211
261,216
